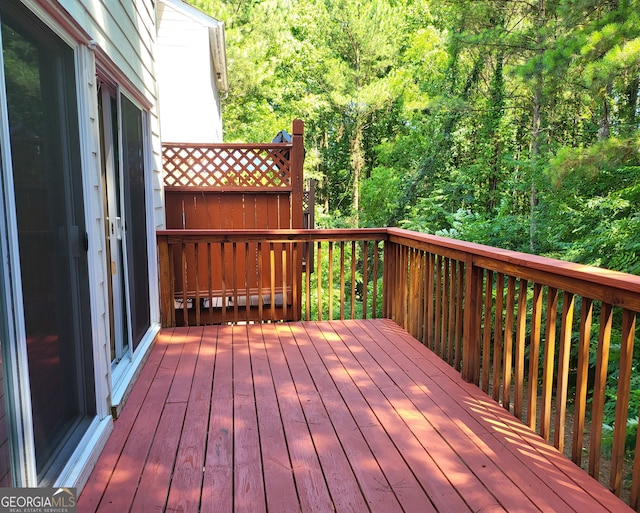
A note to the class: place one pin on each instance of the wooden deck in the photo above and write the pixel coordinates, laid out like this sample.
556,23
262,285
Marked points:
330,416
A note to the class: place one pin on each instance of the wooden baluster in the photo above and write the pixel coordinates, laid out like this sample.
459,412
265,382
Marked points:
196,248
521,328
508,343
247,281
260,291
497,338
568,305
386,279
223,270
446,306
549,363
438,307
622,400
341,280
272,280
330,280
309,249
405,286
634,499
599,386
411,256
459,317
582,378
354,265
419,306
295,281
534,352
397,286
453,269
486,332
234,256
319,280
185,296
429,301
285,298
167,285
376,265
210,282
365,276
400,286
472,322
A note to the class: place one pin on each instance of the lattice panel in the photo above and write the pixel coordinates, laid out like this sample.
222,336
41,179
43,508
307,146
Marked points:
227,167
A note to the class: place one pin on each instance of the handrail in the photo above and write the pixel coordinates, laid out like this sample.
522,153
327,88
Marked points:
627,286
520,326
300,235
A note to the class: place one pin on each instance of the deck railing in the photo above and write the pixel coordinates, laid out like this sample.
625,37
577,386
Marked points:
551,341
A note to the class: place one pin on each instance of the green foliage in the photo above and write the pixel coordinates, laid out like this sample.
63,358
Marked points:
380,194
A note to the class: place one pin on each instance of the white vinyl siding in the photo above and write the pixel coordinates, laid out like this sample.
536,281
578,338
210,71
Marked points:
189,99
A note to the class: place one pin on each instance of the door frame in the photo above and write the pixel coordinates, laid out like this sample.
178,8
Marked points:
122,374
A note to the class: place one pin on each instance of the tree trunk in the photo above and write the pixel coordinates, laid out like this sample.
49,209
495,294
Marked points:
536,127
357,163
604,123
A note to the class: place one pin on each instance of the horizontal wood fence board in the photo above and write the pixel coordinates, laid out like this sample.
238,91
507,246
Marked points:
322,416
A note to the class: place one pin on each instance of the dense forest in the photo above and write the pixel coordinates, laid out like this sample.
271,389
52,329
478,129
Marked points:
509,123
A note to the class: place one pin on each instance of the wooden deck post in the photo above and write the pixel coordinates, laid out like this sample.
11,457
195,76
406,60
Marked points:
472,323
165,262
297,178
297,186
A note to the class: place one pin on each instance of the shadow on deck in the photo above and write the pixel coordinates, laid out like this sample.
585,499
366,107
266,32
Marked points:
323,416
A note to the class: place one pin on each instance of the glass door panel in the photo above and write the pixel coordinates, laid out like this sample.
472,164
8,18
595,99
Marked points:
136,219
112,200
41,102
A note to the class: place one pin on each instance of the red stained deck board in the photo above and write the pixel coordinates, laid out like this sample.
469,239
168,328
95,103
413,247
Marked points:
400,477
217,484
248,487
342,484
375,487
435,483
126,450
186,483
277,471
151,495
481,462
480,425
95,487
439,455
329,416
310,484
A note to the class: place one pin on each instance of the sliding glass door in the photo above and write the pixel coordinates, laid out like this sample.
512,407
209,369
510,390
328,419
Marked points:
123,180
39,75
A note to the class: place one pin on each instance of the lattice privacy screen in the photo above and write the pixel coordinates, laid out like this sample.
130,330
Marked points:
227,166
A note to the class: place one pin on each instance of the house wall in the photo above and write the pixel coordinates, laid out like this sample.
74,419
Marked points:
115,40
189,100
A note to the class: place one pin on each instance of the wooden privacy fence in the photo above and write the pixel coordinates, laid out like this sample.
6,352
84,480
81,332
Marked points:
551,341
234,186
